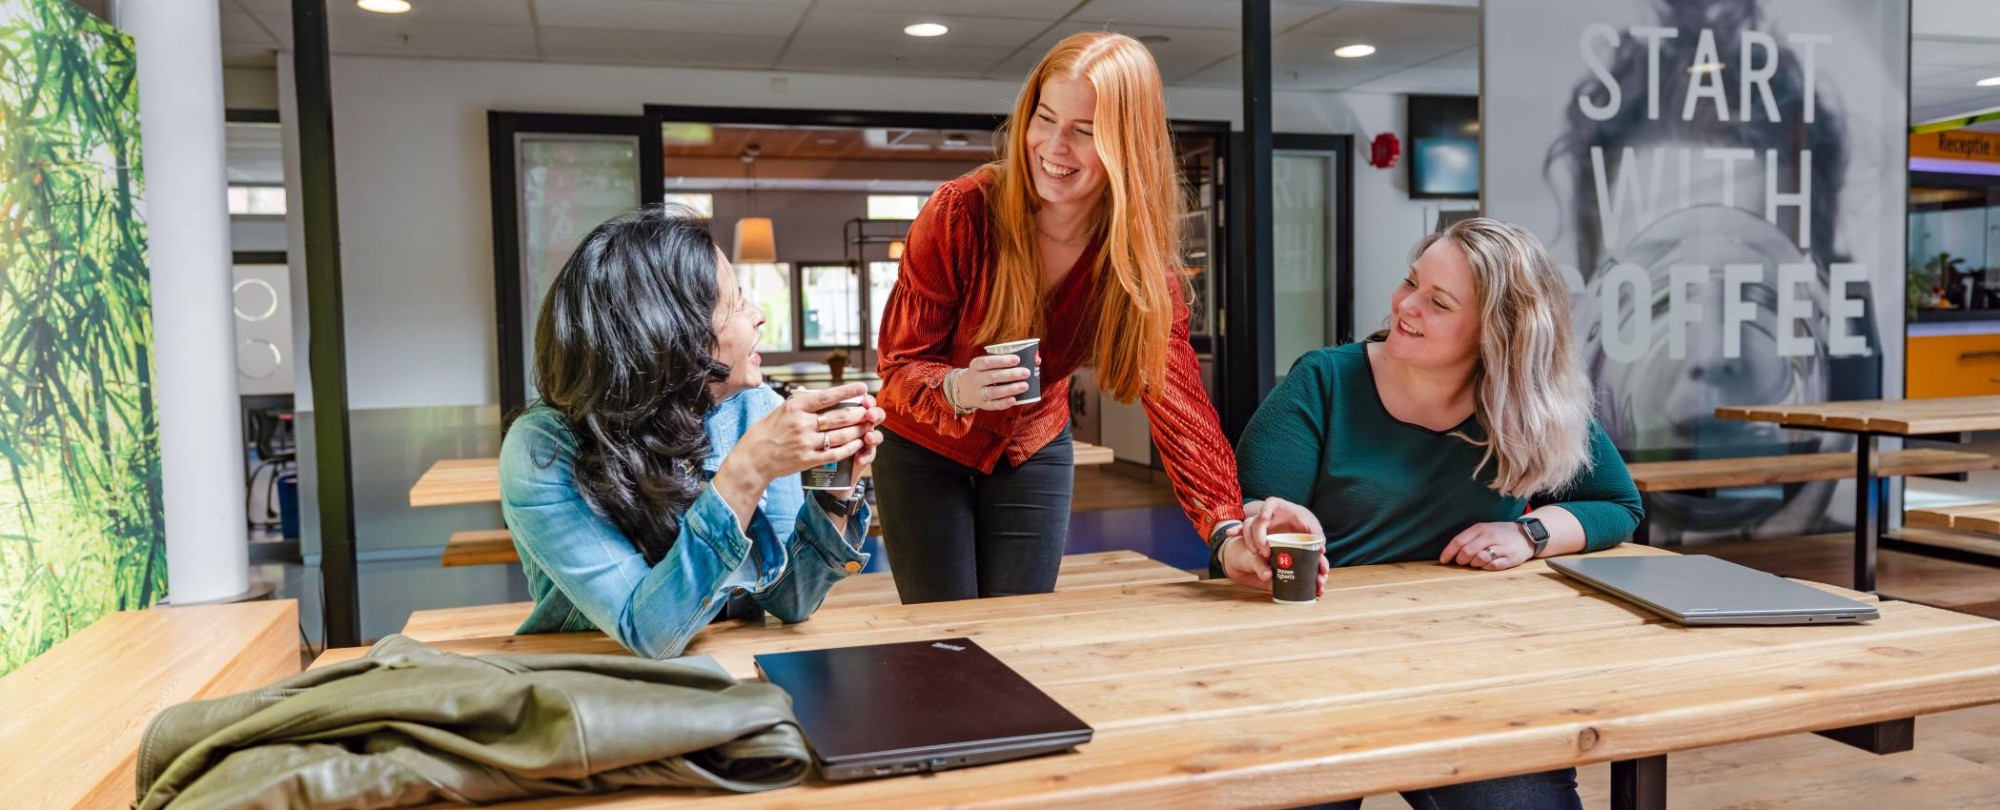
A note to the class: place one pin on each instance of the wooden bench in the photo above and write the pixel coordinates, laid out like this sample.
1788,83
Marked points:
1109,569
1977,517
71,719
1718,473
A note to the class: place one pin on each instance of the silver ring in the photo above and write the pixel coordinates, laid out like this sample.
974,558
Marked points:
1489,552
826,443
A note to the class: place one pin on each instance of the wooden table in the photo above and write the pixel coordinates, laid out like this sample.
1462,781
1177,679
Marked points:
1404,676
454,482
1868,419
1103,569
71,719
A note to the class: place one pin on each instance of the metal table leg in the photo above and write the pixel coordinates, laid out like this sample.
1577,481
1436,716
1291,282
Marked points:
1639,784
1867,512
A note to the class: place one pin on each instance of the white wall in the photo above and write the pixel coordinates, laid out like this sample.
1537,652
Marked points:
415,215
1387,223
250,88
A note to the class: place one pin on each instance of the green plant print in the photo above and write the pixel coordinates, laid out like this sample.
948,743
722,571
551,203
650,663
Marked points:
81,529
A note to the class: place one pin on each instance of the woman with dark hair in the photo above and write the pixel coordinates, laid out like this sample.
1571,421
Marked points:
654,484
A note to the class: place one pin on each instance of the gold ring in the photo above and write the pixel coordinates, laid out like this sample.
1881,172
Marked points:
819,423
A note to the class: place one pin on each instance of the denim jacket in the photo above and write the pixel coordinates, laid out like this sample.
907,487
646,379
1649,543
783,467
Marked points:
584,574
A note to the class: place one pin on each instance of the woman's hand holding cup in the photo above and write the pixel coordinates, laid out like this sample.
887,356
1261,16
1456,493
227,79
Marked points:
797,436
990,383
1246,555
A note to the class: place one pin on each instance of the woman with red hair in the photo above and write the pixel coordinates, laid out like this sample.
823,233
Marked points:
1071,237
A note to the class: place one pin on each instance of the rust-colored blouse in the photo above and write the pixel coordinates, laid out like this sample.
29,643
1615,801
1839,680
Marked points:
928,328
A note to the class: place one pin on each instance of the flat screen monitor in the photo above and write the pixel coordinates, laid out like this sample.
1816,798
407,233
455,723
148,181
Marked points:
1444,147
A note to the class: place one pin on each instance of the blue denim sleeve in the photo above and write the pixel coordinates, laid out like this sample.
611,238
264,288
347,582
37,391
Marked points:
652,610
819,557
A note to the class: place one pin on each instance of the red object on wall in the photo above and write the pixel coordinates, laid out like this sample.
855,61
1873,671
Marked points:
1383,150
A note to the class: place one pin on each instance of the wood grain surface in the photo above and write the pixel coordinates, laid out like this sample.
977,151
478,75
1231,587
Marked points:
72,718
1407,675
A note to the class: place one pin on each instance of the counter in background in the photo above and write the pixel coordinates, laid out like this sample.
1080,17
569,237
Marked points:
1953,353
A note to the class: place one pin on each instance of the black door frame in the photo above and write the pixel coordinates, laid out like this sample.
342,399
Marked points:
501,131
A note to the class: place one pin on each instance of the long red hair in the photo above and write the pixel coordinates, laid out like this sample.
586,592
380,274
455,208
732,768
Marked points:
1138,220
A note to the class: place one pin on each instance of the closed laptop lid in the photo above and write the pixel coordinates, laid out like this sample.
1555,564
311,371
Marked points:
1698,587
911,698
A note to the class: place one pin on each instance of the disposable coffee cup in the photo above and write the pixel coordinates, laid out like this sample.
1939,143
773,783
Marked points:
833,474
1030,352
1295,568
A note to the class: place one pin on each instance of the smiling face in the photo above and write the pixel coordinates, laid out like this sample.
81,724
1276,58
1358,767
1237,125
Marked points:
737,323
1067,168
1434,315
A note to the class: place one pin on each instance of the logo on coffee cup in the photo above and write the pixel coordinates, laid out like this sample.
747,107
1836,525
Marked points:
1284,560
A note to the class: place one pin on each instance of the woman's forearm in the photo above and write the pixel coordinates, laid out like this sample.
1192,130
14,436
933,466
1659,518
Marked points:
740,488
1566,533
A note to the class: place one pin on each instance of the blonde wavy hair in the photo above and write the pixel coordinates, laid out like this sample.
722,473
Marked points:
1139,218
1534,400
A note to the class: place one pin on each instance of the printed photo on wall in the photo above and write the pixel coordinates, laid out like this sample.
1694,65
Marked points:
1722,182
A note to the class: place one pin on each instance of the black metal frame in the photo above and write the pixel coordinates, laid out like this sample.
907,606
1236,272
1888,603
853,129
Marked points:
1641,784
319,212
501,130
247,115
799,304
1343,271
1247,342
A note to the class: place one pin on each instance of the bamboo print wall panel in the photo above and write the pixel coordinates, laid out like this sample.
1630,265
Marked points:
81,532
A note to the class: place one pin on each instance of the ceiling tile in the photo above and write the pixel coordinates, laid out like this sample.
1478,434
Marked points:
1391,51
670,15
1961,54
1467,58
243,29
597,45
1045,10
1184,51
913,59
1222,15
1373,20
1300,76
882,31
1424,80
1962,82
436,40
488,12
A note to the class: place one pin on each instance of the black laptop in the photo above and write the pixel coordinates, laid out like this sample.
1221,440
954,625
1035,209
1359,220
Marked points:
917,707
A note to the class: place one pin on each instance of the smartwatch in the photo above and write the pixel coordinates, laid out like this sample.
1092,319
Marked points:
1535,532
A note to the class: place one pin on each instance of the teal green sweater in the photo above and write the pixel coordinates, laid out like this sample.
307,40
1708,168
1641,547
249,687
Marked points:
1389,491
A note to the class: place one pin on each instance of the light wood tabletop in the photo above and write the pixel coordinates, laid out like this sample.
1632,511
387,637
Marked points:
1104,569
1895,417
456,482
1868,420
1404,676
71,719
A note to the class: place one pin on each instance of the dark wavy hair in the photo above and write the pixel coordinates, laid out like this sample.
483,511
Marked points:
624,350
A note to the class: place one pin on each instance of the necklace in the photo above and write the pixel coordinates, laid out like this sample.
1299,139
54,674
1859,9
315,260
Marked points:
1081,240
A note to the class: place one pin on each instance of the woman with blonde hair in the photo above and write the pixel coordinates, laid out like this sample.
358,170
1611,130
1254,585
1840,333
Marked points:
1071,237
1461,434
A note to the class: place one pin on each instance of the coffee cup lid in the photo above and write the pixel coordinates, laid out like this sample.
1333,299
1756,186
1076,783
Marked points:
1012,346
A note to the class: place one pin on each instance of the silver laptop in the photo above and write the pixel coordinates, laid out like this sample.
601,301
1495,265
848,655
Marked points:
1699,589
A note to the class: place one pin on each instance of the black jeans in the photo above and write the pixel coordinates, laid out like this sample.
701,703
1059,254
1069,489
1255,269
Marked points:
953,532
1548,790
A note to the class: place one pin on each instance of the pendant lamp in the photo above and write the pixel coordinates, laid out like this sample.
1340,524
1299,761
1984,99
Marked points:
756,243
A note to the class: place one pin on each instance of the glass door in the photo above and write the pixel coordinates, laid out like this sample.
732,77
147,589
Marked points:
554,178
1311,273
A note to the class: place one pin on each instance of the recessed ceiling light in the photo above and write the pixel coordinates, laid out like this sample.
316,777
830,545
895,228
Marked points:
926,30
1353,51
1990,81
384,6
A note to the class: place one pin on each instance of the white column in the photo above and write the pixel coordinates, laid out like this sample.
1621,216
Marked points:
187,229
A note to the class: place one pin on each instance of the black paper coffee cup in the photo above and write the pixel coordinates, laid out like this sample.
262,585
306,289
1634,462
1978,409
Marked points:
1030,352
1295,568
833,474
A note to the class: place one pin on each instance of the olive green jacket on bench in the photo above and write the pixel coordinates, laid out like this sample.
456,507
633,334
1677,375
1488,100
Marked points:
410,725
